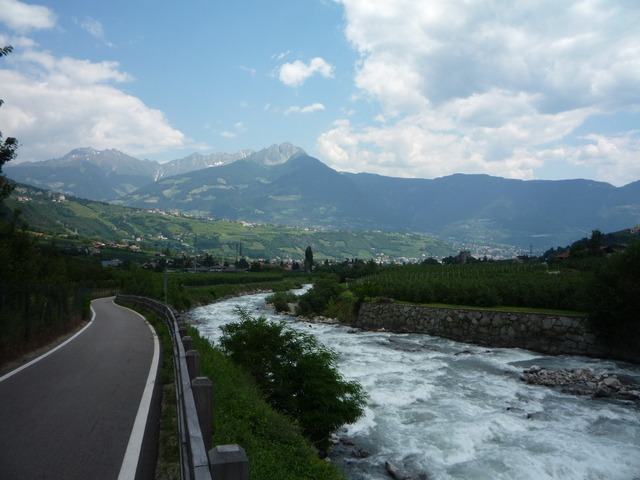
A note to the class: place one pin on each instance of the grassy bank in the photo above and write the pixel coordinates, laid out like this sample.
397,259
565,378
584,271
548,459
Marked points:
274,445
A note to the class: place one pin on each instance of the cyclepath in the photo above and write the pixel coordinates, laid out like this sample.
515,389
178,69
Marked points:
86,409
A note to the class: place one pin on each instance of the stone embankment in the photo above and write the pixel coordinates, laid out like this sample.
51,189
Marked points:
552,334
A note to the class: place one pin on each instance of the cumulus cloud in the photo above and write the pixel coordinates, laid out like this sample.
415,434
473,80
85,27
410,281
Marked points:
296,73
606,153
487,86
23,17
314,107
56,104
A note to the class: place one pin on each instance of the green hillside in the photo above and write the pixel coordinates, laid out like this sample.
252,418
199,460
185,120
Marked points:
60,217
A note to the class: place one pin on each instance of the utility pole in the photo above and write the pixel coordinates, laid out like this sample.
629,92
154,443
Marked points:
195,253
165,281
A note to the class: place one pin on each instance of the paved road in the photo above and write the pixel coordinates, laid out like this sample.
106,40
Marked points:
71,415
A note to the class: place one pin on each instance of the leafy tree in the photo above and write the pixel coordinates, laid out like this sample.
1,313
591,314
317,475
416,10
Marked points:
430,261
296,373
207,261
255,266
614,299
242,263
308,259
366,289
7,148
595,243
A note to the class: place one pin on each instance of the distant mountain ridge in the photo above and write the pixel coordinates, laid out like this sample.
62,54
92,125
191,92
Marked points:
282,185
105,175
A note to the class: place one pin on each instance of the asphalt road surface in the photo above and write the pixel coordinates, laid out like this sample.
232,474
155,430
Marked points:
74,414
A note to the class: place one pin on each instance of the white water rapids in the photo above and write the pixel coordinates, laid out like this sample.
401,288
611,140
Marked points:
457,411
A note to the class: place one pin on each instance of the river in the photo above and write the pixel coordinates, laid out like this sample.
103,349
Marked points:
441,409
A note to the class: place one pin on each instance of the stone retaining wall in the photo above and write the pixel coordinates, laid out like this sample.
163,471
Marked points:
546,333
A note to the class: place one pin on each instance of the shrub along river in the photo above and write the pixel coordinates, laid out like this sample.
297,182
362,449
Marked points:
441,409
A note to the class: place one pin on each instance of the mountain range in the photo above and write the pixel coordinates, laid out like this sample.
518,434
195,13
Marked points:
105,175
283,185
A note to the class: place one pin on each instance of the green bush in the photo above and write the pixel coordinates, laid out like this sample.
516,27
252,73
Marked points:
276,448
281,300
297,375
344,308
315,301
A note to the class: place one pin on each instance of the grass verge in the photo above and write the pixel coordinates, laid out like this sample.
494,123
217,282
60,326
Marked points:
274,445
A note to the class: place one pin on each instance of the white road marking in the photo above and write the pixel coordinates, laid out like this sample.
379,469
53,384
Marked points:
132,455
44,355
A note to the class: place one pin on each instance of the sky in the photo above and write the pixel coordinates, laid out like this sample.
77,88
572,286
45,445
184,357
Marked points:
523,89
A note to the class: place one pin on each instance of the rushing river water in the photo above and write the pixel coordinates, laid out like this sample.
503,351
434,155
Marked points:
451,410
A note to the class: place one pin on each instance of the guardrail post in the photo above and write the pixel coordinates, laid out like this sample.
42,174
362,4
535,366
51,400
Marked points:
182,329
203,396
228,462
187,342
193,363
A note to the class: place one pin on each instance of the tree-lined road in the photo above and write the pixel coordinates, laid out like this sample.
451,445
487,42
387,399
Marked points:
71,415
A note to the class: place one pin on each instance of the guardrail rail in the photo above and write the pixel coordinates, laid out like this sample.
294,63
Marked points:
194,398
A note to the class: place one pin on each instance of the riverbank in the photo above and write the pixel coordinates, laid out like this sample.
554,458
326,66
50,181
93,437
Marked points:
454,410
549,333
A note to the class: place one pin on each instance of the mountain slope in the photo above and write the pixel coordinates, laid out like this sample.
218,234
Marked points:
302,191
58,217
475,208
108,174
282,185
87,173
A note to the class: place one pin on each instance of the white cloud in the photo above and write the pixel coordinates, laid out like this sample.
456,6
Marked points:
95,29
314,107
606,154
281,55
237,129
22,17
487,86
251,71
296,73
56,104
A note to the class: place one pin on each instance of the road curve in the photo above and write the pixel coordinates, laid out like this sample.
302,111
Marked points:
74,414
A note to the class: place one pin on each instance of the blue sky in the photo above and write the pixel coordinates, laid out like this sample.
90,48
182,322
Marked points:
530,90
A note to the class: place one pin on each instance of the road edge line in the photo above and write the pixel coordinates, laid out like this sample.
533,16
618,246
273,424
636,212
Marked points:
134,446
44,355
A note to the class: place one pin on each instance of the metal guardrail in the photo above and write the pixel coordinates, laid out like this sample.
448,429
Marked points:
194,405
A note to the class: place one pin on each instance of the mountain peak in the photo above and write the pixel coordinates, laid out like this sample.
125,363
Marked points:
276,154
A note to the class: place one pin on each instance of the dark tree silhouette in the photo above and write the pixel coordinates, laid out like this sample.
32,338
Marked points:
308,259
8,147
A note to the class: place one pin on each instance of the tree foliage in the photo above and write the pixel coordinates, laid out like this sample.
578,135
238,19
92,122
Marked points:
308,259
614,298
315,301
296,373
8,147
